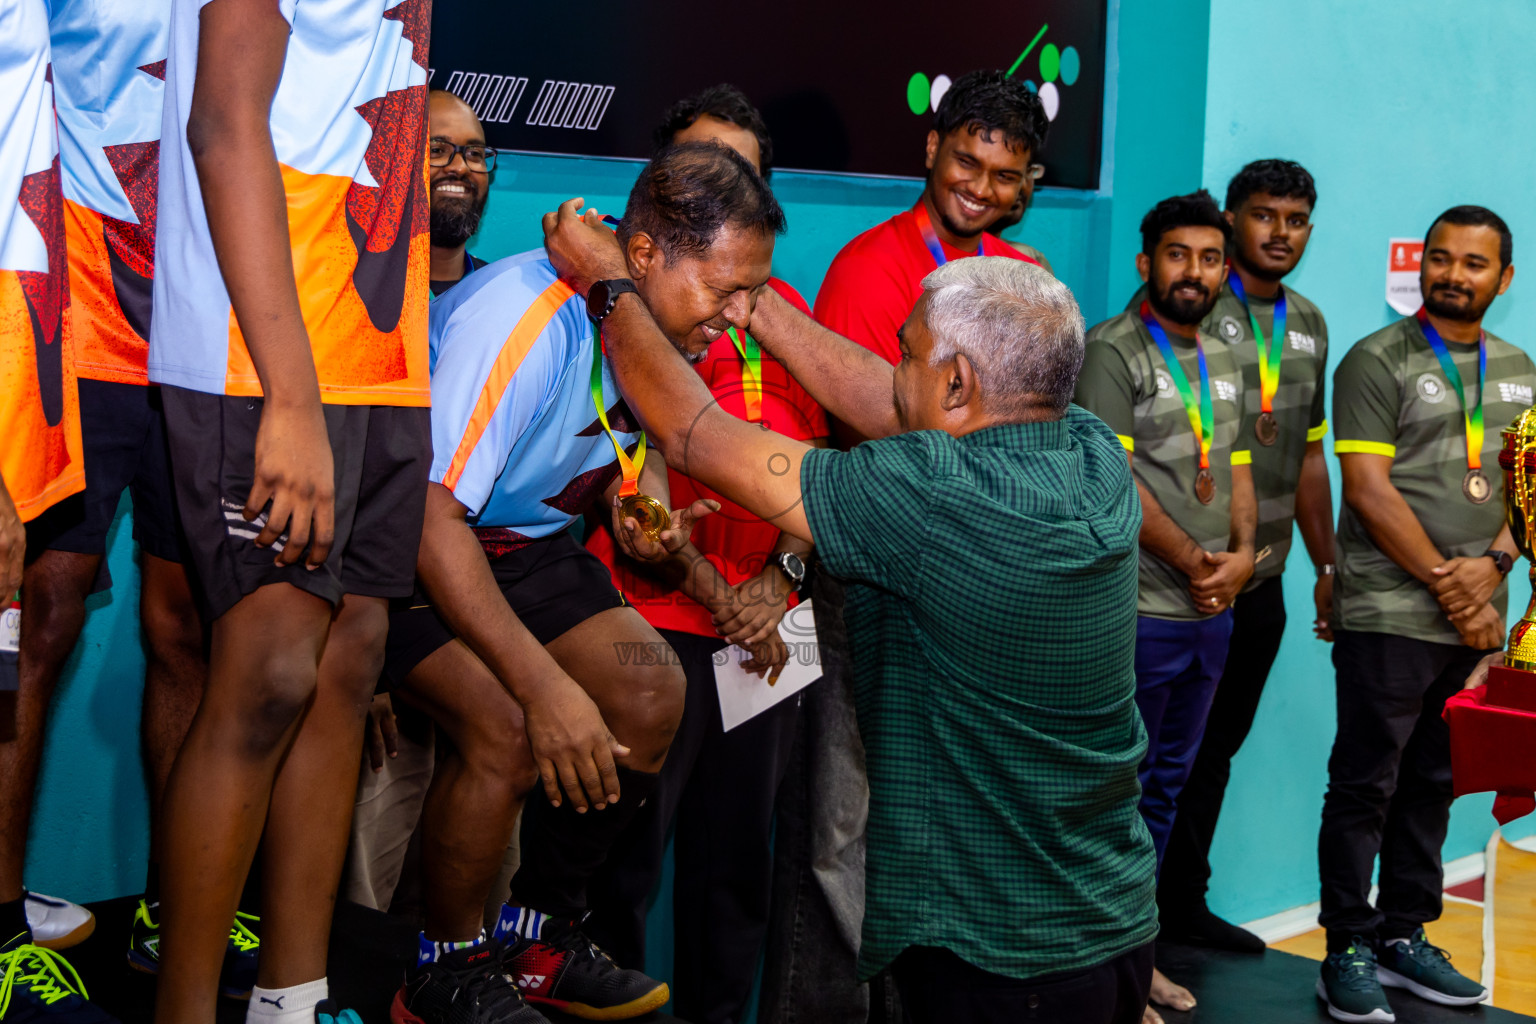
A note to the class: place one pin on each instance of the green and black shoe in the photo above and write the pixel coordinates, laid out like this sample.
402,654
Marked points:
239,973
1426,971
1348,985
38,986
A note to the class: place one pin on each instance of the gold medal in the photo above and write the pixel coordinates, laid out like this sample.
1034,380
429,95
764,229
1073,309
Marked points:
1266,430
1476,487
1205,487
651,514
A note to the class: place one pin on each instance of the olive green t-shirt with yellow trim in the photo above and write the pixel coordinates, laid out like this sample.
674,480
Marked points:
1390,397
1126,383
1300,408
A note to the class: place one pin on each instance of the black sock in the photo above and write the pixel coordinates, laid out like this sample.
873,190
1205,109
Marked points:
562,849
13,923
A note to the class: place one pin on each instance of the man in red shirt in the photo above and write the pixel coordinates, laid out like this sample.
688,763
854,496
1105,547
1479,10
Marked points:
981,151
732,584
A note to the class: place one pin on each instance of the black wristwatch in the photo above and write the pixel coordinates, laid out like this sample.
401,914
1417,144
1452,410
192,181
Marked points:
1502,559
603,294
792,567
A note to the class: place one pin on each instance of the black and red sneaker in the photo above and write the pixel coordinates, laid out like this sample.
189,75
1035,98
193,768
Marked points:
465,986
565,970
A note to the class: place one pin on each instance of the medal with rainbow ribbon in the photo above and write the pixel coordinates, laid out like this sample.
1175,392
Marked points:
1475,485
1270,351
651,514
1202,416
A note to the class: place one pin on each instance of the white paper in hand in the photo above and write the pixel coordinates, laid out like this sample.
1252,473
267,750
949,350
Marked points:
744,695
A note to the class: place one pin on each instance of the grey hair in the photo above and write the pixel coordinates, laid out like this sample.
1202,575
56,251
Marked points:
1019,327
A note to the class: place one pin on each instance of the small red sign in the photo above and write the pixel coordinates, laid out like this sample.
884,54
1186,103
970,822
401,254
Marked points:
1406,256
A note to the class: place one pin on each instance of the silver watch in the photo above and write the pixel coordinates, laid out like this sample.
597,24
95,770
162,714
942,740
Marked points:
791,566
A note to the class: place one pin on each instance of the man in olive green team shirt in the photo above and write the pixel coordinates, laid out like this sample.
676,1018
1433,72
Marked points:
1423,552
1176,401
1264,324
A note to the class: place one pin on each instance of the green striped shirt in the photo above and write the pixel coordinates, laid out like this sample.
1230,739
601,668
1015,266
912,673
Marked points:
1390,397
1126,383
992,614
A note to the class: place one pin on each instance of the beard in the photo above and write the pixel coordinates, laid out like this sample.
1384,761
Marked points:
1181,310
1441,301
455,220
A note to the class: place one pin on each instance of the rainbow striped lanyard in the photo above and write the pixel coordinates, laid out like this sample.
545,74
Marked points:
931,237
1472,415
1270,349
1202,416
751,372
628,467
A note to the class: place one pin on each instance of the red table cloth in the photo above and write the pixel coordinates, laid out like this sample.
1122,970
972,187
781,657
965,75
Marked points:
1493,749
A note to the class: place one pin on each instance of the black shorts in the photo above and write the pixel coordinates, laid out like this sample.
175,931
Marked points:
122,429
382,455
552,584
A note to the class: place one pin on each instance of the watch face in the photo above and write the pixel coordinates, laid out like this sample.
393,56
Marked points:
597,300
792,565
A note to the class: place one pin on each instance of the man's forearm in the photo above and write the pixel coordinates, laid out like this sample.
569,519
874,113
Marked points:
848,380
1244,510
457,578
1314,506
242,46
1393,527
1164,538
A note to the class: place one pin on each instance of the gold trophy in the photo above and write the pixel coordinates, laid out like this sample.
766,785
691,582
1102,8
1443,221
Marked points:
1513,684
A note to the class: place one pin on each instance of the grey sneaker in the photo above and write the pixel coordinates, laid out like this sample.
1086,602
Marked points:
1348,985
1426,971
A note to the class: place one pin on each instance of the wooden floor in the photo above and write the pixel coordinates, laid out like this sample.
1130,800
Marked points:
1460,931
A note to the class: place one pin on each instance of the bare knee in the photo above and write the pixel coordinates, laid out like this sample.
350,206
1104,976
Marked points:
647,721
354,650
173,633
280,686
495,745
56,585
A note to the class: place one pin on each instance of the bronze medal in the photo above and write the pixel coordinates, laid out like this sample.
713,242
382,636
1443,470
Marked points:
1476,487
1266,430
1205,487
651,514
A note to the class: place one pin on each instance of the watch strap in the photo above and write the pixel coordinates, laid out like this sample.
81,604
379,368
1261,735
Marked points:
602,296
1502,559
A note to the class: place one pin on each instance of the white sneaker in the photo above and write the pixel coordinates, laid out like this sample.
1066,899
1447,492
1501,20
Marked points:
56,923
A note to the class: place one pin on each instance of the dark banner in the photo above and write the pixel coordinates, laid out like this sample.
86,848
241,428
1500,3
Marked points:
845,85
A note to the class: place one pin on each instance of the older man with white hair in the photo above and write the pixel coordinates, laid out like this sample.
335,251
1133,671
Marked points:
988,537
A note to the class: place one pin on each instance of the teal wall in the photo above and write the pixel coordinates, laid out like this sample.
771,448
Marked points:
1399,110
1390,147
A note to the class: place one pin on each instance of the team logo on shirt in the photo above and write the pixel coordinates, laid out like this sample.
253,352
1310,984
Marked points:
1520,394
1230,330
1224,390
1302,342
1431,388
1164,384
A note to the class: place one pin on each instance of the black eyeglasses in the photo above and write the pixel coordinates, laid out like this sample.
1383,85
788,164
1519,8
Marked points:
440,153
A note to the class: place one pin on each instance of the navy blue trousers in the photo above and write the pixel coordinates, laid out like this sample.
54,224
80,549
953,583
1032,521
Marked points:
1178,664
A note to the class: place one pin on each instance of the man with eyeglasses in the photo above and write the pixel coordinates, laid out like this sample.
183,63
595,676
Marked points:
461,166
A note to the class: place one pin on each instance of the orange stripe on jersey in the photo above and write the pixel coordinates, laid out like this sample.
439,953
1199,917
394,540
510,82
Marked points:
107,346
527,331
40,463
356,362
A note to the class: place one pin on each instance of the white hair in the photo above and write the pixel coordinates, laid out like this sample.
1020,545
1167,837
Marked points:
1019,327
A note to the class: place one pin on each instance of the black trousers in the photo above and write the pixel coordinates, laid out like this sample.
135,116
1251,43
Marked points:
1258,623
720,788
1389,784
937,987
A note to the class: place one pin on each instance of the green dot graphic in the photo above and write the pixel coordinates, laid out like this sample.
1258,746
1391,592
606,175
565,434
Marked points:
1050,62
1071,64
917,93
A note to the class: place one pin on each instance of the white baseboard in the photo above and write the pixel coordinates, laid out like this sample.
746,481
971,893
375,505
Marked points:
1299,920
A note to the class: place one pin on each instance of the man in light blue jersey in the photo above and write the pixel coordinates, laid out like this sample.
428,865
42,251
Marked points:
517,643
